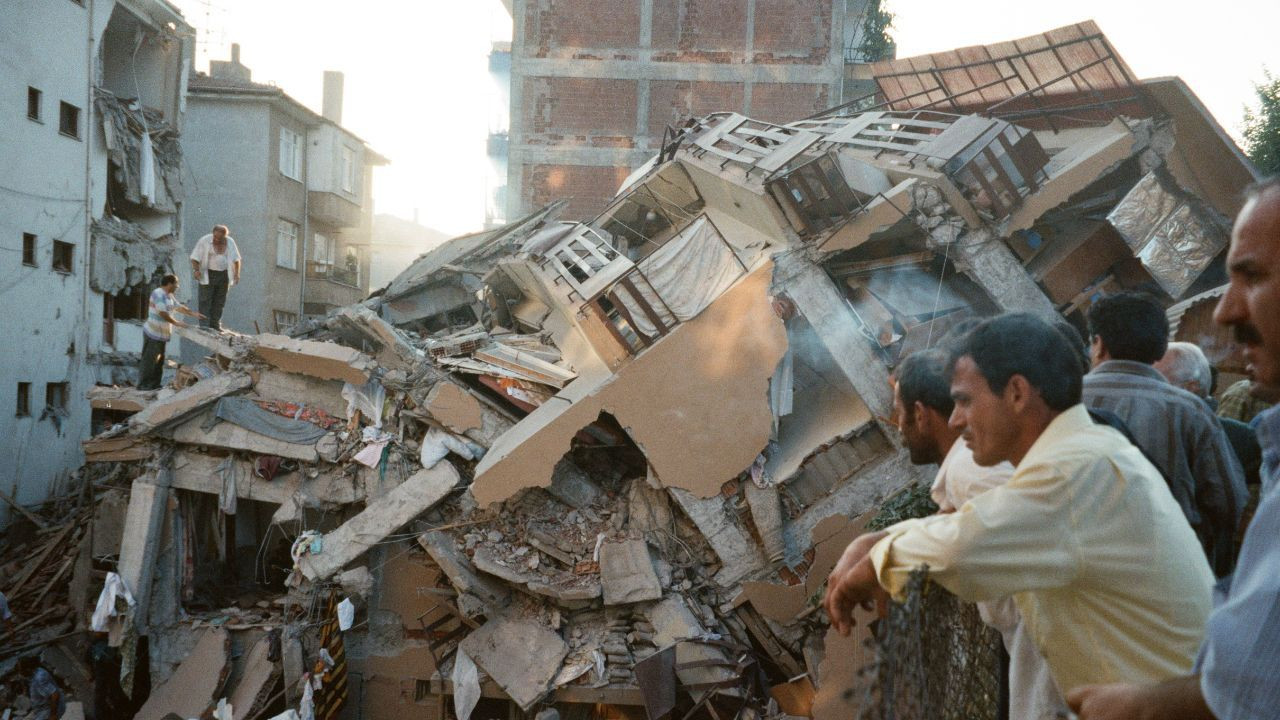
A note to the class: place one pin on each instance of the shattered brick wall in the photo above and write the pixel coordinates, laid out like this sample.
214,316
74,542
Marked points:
595,84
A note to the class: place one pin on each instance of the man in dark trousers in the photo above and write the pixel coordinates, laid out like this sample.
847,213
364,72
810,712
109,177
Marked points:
155,332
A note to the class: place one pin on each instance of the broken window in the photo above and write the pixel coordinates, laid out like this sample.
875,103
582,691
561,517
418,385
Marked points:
33,104
290,154
287,244
69,120
130,303
350,170
815,195
55,396
63,256
29,249
650,213
24,400
579,259
284,320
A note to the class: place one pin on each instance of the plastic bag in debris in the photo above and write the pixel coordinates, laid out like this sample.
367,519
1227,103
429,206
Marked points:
437,443
466,685
367,398
113,587
346,614
307,706
289,714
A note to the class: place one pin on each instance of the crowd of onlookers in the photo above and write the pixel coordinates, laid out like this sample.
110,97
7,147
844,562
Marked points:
1112,516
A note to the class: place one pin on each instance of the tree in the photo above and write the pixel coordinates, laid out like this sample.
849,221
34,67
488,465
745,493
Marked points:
876,42
1262,126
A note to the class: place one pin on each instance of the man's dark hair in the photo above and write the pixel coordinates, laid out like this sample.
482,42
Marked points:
167,279
1023,344
1076,340
922,377
1132,326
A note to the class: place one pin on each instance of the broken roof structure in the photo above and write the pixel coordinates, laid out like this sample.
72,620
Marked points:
613,462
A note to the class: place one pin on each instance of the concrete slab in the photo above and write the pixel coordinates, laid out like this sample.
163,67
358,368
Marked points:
522,655
186,401
194,686
627,574
380,518
324,360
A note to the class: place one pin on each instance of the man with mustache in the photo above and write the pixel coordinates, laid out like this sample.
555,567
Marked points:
1104,569
215,264
1235,675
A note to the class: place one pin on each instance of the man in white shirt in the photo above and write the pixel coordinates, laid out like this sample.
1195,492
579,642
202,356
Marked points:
922,405
215,264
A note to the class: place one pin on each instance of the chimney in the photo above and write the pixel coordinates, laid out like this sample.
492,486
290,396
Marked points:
233,70
333,96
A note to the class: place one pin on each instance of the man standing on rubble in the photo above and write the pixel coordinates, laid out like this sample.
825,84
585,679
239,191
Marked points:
1129,333
155,332
1234,677
1103,566
215,264
922,405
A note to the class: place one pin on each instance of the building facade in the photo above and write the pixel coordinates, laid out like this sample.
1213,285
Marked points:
293,186
90,201
596,83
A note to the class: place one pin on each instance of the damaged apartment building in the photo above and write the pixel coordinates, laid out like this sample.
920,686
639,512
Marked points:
90,204
603,469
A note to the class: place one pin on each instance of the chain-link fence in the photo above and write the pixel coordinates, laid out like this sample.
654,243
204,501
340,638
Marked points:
935,660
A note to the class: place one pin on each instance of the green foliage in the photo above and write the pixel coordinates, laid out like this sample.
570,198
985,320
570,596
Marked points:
1262,126
876,42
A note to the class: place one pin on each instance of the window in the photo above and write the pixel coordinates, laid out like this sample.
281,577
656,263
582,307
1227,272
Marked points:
350,273
322,258
29,249
69,120
55,396
290,154
287,245
33,104
24,400
63,254
284,320
350,171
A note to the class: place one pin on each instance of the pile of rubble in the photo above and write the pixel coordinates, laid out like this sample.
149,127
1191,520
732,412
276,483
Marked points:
610,464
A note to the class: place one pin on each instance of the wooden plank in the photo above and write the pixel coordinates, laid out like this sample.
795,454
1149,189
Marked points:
25,513
39,560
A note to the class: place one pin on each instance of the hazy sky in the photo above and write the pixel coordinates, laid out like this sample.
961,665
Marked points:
418,88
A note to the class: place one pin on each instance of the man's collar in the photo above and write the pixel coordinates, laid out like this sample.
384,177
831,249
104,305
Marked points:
1127,367
1068,422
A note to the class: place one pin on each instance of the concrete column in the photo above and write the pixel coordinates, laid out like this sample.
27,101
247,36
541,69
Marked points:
143,527
989,262
835,325
515,125
749,51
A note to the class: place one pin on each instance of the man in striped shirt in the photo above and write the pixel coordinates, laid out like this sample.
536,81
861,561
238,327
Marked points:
156,330
1235,676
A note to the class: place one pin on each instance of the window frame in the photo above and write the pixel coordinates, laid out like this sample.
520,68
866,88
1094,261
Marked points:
292,236
35,101
322,262
23,405
30,246
63,107
350,170
51,392
294,170
59,247
276,317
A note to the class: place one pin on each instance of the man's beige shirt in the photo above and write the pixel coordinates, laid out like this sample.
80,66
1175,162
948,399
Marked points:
1086,537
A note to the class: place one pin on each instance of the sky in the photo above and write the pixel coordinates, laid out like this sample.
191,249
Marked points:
418,88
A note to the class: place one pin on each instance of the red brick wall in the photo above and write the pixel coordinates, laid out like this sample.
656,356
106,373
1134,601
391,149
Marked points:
580,111
588,189
787,102
699,30
792,31
671,100
561,28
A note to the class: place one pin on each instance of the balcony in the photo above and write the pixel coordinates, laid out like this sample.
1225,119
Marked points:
332,286
332,209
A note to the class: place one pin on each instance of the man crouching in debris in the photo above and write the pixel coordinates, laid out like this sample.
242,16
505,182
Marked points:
47,702
1105,570
923,406
155,332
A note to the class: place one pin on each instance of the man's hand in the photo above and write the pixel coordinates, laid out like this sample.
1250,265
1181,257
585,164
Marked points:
1107,702
1177,699
853,583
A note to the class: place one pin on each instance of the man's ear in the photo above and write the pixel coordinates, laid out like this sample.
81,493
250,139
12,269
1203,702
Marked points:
1018,393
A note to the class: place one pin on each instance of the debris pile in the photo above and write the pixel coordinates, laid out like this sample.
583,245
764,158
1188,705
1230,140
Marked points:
612,463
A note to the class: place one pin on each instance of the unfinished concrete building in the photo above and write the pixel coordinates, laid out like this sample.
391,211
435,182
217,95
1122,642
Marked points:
90,204
591,101
605,467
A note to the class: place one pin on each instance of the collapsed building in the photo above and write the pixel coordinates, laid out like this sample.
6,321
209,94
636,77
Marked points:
603,468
